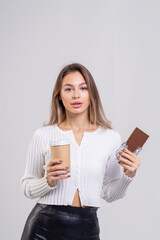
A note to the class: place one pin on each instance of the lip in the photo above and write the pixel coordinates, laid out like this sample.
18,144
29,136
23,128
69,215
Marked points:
76,103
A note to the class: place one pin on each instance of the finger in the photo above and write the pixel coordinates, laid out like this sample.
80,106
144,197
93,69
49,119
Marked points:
56,168
129,152
127,167
52,169
60,177
132,158
54,161
127,156
125,161
59,167
131,168
56,173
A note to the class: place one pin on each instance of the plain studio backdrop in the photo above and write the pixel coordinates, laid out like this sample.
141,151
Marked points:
118,41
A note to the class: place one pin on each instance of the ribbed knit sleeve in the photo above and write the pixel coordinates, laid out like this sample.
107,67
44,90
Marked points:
34,183
115,183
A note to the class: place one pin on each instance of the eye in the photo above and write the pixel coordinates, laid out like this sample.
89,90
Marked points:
83,88
68,89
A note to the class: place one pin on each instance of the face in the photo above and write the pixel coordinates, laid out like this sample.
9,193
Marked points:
74,89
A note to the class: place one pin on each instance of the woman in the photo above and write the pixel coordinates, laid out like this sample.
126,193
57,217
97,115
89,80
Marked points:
67,203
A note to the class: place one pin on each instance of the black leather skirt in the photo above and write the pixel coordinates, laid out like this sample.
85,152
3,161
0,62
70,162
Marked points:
59,222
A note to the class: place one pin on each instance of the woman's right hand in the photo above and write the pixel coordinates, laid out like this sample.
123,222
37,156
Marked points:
54,169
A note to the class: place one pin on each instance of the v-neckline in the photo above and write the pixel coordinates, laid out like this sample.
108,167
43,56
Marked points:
79,145
73,136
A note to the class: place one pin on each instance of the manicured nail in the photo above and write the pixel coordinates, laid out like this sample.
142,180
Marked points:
124,149
67,167
60,161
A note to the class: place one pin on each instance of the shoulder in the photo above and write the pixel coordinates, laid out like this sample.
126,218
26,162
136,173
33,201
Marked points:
111,137
43,131
111,133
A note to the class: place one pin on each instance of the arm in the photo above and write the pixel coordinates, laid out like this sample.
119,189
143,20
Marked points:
34,183
115,183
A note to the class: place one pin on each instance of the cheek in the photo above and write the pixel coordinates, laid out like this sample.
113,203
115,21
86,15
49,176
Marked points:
65,97
87,98
85,95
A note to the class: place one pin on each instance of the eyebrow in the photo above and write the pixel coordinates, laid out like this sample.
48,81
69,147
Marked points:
72,85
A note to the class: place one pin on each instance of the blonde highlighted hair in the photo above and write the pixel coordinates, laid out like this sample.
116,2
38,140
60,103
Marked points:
96,114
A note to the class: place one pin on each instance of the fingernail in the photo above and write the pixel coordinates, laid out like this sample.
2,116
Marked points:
67,167
124,149
60,161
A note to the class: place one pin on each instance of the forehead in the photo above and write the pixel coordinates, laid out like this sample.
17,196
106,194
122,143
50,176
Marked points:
73,78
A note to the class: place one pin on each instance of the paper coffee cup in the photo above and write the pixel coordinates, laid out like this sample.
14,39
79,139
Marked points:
60,149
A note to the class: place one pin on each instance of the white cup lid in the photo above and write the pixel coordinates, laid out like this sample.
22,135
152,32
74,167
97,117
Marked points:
59,142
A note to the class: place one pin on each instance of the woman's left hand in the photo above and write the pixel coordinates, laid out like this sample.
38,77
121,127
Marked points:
129,161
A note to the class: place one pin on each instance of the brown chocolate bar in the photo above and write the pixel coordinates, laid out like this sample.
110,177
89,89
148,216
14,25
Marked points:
136,139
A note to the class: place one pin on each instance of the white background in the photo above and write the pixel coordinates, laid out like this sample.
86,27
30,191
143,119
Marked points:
119,43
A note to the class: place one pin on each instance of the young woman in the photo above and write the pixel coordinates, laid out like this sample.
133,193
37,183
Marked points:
67,205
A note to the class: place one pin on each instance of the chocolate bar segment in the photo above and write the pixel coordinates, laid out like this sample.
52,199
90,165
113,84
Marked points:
136,139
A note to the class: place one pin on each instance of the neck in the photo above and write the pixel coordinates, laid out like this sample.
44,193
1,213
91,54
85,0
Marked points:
77,122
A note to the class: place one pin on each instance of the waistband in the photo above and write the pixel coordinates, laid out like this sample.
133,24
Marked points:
69,209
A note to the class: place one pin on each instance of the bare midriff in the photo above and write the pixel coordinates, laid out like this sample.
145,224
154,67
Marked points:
76,200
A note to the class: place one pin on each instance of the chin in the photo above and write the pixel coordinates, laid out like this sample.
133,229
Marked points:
78,110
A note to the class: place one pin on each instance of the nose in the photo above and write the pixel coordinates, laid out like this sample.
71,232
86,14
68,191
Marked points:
76,94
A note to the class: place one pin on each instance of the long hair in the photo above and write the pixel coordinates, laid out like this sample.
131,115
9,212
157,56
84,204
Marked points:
96,114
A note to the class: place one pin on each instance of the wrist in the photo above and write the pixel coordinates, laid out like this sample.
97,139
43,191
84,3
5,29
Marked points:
53,183
130,174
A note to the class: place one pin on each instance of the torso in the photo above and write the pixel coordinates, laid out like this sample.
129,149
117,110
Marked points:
78,137
76,200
